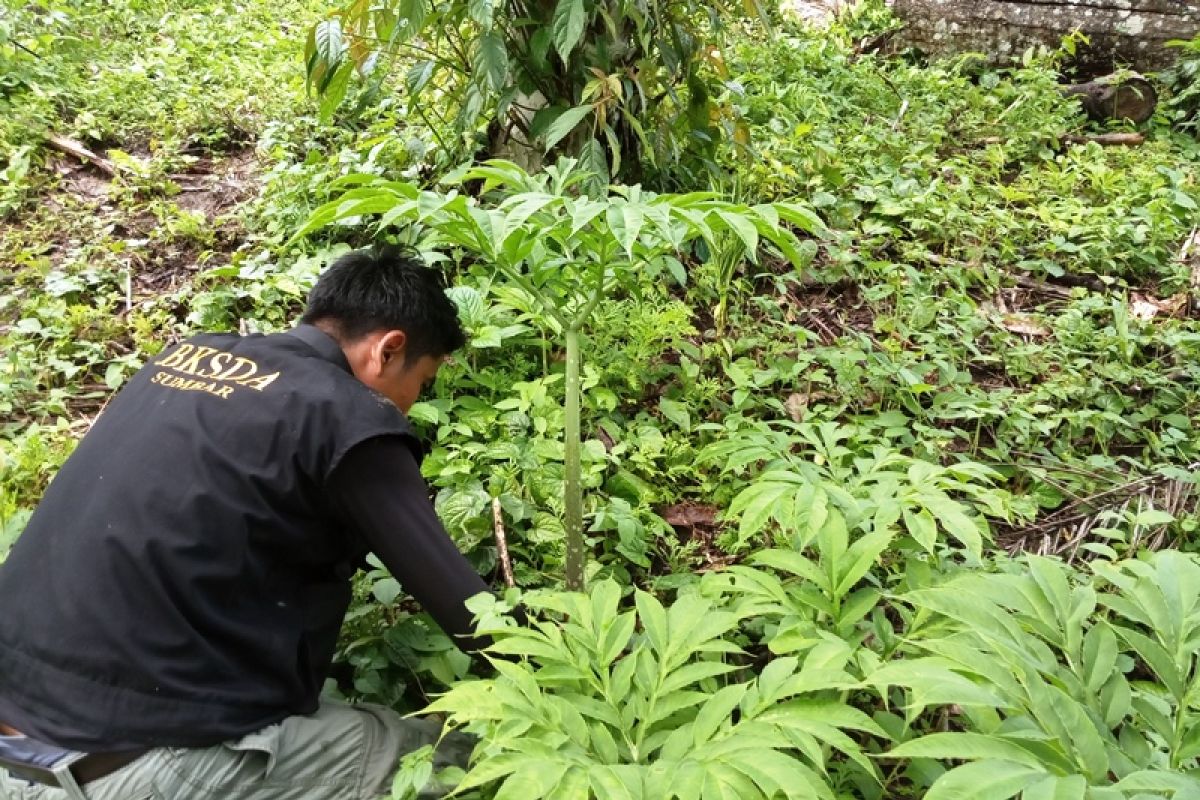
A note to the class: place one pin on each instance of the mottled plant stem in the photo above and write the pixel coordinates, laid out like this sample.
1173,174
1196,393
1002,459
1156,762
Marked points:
574,572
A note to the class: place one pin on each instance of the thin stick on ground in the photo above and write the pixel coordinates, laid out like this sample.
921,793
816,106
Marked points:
502,543
1102,139
1109,139
74,148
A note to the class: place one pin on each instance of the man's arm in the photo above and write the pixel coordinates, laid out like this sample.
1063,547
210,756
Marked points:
379,487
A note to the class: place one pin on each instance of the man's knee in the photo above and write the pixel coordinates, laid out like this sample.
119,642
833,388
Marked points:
385,737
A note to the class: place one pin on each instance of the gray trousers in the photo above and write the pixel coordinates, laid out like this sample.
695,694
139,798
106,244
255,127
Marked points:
341,752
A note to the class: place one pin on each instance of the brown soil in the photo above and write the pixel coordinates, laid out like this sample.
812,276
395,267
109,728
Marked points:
696,525
830,310
86,206
211,186
214,186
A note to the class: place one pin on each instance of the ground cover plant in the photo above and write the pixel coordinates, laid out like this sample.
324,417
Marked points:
874,440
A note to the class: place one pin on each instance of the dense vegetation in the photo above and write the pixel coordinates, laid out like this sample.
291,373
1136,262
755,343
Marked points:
886,448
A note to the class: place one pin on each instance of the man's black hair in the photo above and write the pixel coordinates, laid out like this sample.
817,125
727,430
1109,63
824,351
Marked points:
386,287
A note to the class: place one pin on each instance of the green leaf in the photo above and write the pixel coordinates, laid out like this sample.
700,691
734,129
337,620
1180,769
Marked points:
411,15
760,502
573,785
536,780
693,673
721,782
489,61
790,562
860,558
605,596
1071,787
798,215
1051,578
614,147
716,712
481,11
744,229
496,767
965,747
932,683
673,703
563,124
385,22
1099,655
334,91
676,412
625,222
416,768
418,76
922,527
594,161
327,49
1190,746
606,782
775,773
1156,656
616,638
567,27
950,513
654,620
1161,782
984,780
114,375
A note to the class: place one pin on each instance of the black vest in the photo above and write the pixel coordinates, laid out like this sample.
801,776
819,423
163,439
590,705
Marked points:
184,578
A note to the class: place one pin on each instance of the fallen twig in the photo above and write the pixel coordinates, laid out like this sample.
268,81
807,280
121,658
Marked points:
1041,286
20,46
1024,281
1104,139
1109,139
1190,253
74,148
1082,515
502,543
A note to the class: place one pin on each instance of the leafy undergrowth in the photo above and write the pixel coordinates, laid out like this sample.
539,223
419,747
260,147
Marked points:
782,680
813,494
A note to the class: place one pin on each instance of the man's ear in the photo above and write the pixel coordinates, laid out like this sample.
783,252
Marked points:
391,346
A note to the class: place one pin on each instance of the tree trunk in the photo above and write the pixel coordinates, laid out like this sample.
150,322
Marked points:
1122,33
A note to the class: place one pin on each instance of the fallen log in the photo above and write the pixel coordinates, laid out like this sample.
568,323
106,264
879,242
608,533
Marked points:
1129,33
1129,97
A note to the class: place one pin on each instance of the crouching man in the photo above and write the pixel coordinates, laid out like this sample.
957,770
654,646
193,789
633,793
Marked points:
169,615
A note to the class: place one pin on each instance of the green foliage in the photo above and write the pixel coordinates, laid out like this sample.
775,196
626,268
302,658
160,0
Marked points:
1184,80
568,251
958,160
1034,681
988,348
617,85
815,476
27,462
1060,688
400,658
641,703
140,76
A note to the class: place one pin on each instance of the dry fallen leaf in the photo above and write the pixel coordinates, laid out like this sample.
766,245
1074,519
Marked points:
796,406
1143,307
1140,308
1013,321
1024,325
